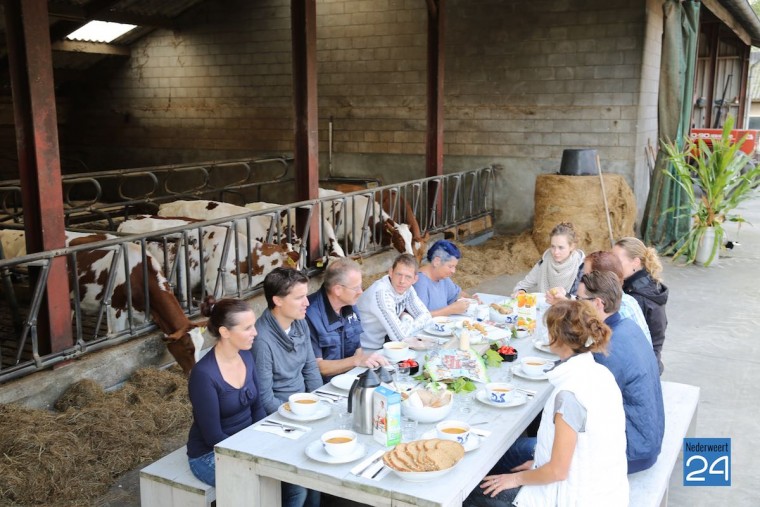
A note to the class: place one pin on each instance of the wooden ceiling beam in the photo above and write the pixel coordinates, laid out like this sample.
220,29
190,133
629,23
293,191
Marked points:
96,48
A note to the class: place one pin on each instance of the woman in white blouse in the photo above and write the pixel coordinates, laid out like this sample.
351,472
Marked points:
579,455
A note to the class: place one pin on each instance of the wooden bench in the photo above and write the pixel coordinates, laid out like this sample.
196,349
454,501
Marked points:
169,482
650,487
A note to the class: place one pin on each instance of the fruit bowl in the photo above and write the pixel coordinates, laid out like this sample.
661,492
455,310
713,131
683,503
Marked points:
414,366
427,414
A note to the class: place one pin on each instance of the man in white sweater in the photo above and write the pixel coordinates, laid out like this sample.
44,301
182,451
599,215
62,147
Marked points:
389,308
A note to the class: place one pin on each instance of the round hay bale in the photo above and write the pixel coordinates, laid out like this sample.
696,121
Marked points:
80,394
578,199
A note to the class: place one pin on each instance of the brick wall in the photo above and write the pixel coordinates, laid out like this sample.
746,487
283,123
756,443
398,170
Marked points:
524,80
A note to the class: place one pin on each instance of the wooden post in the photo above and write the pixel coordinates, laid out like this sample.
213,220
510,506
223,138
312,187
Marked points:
435,74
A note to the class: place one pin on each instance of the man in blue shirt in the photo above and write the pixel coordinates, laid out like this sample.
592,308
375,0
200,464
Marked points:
334,321
634,366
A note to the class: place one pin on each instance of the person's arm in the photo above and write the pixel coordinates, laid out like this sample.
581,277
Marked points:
311,377
257,409
262,357
207,413
556,469
384,309
332,367
530,281
459,306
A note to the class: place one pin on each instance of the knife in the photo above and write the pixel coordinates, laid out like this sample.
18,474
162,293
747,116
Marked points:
270,422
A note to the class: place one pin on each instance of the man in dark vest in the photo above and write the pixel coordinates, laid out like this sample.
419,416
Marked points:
334,321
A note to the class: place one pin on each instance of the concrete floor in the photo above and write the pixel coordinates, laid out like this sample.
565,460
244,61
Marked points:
714,317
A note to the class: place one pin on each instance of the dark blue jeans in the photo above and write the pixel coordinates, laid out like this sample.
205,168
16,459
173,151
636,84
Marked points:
204,468
520,452
298,496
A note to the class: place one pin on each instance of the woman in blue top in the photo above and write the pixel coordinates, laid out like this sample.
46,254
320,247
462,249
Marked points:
223,386
434,286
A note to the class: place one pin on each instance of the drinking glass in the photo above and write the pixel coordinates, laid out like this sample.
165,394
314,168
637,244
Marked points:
465,402
408,429
344,420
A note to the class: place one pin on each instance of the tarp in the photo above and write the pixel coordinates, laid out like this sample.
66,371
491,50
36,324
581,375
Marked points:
661,228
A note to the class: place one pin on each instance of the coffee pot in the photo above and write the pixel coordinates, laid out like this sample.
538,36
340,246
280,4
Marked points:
360,400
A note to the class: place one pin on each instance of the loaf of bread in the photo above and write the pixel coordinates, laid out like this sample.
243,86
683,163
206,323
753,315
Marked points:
424,455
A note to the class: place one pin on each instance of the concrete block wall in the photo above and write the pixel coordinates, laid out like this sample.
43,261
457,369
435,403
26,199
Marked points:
524,80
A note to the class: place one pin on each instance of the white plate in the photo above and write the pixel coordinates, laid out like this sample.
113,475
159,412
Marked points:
517,370
316,451
473,441
323,410
343,381
518,399
543,347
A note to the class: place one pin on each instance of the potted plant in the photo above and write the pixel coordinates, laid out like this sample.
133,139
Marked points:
715,180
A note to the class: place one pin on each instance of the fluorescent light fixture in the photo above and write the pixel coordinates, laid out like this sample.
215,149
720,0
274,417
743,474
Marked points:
100,31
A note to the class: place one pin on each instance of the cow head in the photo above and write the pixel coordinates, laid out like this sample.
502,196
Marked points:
400,236
185,346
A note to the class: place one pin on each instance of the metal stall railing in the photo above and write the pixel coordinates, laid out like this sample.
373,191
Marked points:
355,217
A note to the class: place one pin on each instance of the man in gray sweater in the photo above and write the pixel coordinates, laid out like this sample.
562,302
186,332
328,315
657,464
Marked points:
284,358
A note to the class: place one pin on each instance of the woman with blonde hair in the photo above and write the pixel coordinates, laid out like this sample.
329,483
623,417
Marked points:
642,272
561,265
580,449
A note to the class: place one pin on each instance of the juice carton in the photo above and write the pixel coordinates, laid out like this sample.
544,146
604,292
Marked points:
386,416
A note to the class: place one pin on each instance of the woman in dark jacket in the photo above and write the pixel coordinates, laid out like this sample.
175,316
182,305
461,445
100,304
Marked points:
642,269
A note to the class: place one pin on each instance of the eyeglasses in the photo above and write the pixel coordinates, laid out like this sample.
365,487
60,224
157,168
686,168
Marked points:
355,289
586,299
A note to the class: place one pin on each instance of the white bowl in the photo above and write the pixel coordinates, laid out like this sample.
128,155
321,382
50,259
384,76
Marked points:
440,326
460,433
303,403
422,476
426,414
500,393
397,351
522,332
503,318
534,366
339,443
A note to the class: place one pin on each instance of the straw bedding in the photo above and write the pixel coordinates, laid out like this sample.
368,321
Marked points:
71,455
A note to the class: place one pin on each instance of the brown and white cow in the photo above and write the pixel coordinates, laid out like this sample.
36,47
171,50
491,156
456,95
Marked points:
405,238
263,258
183,338
209,210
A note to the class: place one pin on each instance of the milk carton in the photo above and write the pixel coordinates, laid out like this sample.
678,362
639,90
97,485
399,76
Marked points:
386,416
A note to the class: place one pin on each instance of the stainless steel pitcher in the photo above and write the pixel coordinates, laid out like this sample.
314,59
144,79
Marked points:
360,400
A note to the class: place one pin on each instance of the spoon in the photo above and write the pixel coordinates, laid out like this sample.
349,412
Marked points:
286,429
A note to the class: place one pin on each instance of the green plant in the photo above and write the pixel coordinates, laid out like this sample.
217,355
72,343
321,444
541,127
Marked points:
715,180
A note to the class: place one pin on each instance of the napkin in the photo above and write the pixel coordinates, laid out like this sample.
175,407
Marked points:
278,430
371,466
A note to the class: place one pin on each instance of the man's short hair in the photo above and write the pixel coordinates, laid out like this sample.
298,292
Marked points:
337,272
604,285
280,281
407,260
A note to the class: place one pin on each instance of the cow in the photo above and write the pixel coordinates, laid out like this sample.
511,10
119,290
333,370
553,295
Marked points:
405,238
263,258
183,338
209,210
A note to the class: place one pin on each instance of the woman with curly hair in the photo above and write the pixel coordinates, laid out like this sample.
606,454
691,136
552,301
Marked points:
578,456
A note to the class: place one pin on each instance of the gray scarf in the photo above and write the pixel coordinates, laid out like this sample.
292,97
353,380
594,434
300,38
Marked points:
563,274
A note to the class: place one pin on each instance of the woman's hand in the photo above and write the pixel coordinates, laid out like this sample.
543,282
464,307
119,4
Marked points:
460,306
525,466
494,484
555,294
517,293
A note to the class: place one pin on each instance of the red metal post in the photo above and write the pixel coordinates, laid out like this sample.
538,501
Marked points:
34,112
435,74
304,36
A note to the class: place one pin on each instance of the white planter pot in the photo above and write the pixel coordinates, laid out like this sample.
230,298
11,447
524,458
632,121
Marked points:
705,247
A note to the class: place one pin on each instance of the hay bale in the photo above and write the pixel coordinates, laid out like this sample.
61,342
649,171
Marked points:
578,199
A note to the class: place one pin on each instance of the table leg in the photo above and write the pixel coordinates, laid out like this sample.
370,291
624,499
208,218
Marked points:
238,483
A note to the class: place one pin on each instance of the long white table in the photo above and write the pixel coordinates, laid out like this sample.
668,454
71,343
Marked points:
251,464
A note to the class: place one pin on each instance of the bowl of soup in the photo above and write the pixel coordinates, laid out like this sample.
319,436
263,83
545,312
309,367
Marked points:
500,392
456,431
303,403
397,351
339,443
